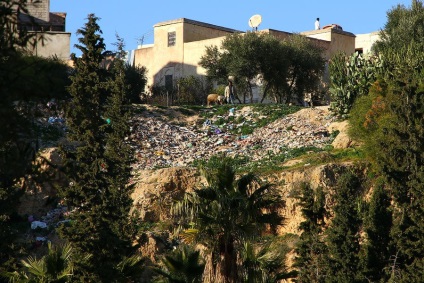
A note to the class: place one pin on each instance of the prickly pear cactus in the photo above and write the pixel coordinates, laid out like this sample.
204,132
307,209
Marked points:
351,77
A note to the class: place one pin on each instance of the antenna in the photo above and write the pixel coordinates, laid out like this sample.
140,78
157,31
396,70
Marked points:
255,21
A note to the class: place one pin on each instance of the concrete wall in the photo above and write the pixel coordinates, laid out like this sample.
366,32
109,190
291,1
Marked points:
365,41
39,9
52,44
50,38
193,51
339,40
182,59
196,31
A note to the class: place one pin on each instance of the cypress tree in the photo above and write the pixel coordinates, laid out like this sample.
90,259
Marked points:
343,234
376,250
97,162
310,249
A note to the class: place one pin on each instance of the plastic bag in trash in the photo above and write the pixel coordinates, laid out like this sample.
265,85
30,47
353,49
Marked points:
38,224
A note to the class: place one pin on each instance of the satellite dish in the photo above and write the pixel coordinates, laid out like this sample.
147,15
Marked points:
255,21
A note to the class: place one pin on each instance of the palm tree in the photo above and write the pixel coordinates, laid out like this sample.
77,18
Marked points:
55,267
183,265
264,262
225,214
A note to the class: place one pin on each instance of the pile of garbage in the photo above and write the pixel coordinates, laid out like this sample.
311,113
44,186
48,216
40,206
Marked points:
158,143
42,227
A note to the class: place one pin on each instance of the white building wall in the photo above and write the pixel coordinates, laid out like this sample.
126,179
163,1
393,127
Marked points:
365,41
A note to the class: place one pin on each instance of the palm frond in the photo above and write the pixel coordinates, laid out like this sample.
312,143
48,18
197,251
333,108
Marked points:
244,182
189,235
131,266
36,267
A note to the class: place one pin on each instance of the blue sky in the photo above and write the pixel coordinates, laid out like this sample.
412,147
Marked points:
134,19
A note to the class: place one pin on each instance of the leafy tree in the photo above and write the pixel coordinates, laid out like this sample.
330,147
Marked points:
182,265
241,58
226,214
289,67
135,76
215,67
310,261
97,163
306,67
135,80
275,68
191,90
9,121
401,40
343,233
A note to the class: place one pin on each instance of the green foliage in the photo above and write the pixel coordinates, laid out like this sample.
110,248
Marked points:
310,249
370,118
387,122
226,213
56,266
182,265
393,118
289,67
350,78
219,90
401,41
191,90
135,81
376,249
342,241
97,162
264,261
25,83
306,67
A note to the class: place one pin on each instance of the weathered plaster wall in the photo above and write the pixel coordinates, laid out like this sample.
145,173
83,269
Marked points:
53,44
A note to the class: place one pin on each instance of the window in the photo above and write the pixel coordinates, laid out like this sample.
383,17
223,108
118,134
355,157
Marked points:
359,50
171,38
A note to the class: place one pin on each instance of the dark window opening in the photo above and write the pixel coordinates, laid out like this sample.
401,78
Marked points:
168,83
359,50
171,38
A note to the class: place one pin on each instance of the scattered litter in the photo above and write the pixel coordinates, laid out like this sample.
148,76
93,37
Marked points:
38,224
161,144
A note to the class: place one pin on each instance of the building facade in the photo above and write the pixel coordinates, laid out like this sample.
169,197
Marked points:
179,44
50,38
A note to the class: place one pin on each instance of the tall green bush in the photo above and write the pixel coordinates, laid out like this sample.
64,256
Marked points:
394,121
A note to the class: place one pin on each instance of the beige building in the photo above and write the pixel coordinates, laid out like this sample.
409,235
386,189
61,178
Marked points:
179,44
49,30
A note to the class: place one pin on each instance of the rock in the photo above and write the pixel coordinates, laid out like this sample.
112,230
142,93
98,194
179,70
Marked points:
155,190
342,140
